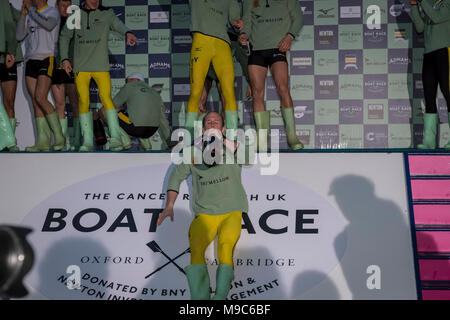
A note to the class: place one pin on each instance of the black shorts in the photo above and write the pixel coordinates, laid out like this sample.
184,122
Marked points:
8,74
132,130
36,68
265,58
60,76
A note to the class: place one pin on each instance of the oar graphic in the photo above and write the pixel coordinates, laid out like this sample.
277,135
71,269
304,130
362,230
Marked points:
155,248
188,250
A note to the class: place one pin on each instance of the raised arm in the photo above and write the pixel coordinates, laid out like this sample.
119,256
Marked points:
48,23
21,29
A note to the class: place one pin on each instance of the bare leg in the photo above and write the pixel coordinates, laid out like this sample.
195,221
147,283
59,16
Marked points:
43,138
42,89
71,92
257,76
9,96
280,74
31,87
101,113
258,81
204,97
222,99
248,93
59,95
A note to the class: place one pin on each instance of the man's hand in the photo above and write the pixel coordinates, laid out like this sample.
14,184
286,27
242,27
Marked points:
201,109
213,132
230,145
27,4
248,93
24,10
243,39
238,24
167,212
131,39
10,59
285,43
413,2
67,66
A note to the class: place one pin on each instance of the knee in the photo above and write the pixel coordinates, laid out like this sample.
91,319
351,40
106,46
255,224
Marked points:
197,255
225,246
225,253
8,102
283,90
257,92
83,104
60,104
196,93
41,99
106,100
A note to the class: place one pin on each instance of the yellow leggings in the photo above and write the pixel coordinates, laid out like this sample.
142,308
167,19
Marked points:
203,231
103,81
207,49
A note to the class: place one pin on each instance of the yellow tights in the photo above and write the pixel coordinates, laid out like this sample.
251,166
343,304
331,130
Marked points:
203,231
207,49
103,81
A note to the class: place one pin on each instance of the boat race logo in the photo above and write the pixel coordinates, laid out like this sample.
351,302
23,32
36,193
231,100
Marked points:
98,239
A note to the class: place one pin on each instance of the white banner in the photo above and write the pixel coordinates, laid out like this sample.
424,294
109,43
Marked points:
327,226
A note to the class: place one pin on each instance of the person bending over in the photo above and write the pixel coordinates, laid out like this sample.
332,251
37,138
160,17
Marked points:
144,105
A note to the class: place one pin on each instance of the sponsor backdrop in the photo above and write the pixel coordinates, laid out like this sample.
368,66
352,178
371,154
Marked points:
338,232
353,86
